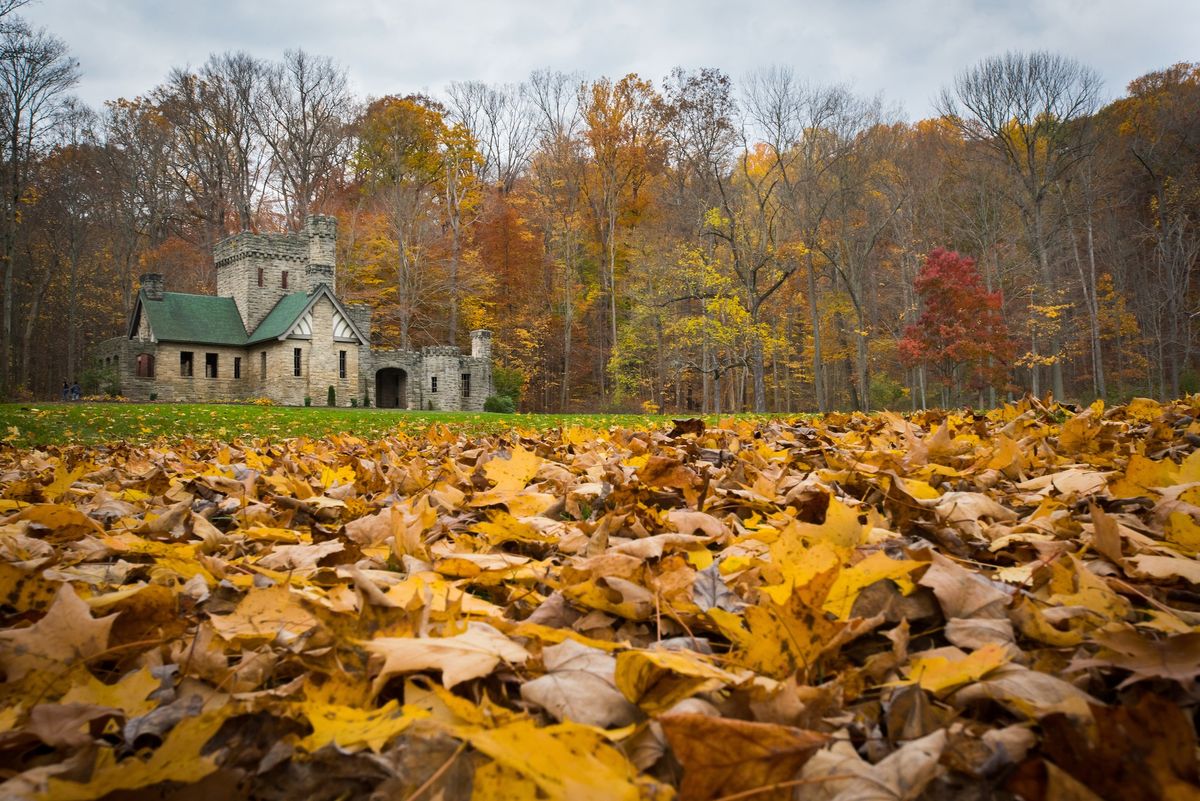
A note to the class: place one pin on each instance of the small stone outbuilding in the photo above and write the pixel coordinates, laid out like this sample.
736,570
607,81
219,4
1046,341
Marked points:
277,329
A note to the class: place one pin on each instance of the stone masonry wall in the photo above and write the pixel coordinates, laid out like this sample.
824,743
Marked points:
171,385
318,365
480,371
441,362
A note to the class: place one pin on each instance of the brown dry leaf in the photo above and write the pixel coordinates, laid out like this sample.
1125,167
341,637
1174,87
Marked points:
67,635
580,685
1029,693
963,593
771,572
1176,657
273,614
474,653
1141,752
839,774
722,757
1163,567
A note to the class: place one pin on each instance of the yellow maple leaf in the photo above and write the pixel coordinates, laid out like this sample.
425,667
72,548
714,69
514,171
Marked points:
852,580
657,680
351,728
540,758
513,473
939,673
178,759
129,694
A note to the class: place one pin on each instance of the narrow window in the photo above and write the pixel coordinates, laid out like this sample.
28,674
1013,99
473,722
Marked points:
466,385
296,361
210,365
262,364
283,283
260,276
433,384
341,364
237,366
145,365
185,363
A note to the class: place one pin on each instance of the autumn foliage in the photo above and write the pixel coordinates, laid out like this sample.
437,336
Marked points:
961,332
864,607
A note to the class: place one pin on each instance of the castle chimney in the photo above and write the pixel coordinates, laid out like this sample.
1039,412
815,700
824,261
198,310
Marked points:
481,343
152,285
321,232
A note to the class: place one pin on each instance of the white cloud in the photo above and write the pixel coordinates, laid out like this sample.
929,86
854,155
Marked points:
906,49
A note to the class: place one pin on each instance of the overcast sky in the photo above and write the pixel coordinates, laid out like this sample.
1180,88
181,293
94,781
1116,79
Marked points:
905,48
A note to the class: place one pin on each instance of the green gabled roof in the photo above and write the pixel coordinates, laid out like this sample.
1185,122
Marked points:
203,319
280,319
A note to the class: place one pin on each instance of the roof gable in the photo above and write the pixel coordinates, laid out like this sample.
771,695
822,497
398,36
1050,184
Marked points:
180,317
294,311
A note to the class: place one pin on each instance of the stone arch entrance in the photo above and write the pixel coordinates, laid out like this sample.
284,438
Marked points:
391,388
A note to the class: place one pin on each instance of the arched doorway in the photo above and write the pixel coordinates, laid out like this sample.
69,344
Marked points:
391,388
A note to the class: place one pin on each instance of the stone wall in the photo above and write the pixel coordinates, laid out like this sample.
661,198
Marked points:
319,365
171,385
441,362
480,371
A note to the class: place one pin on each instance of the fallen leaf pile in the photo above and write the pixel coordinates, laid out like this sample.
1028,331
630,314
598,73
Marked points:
936,606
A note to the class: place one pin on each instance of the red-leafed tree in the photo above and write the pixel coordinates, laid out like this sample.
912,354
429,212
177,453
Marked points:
961,334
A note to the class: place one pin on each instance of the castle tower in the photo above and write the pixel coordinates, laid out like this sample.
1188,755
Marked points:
320,231
256,270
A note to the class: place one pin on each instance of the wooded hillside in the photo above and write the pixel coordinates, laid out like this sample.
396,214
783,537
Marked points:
690,242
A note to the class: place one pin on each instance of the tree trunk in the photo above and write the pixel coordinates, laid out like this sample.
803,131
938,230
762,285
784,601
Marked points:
758,369
815,322
1047,278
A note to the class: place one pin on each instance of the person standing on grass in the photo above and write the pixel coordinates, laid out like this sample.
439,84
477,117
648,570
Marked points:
66,391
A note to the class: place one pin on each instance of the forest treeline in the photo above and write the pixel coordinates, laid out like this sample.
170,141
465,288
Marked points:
684,243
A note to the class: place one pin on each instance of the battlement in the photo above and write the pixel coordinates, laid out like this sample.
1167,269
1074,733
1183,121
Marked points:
247,245
441,350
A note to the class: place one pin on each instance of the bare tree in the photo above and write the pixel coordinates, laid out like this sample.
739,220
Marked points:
217,156
1031,112
140,199
303,113
35,73
809,131
503,124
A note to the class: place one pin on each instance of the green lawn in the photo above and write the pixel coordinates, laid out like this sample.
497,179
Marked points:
29,424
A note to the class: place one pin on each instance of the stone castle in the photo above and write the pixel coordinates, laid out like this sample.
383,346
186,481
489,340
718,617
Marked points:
277,329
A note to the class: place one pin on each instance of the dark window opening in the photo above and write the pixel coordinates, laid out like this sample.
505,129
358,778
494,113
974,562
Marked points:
341,364
237,366
185,363
433,384
261,272
262,364
283,279
210,365
296,353
145,365
466,385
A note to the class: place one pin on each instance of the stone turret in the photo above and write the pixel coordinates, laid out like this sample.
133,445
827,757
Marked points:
152,285
320,231
481,343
